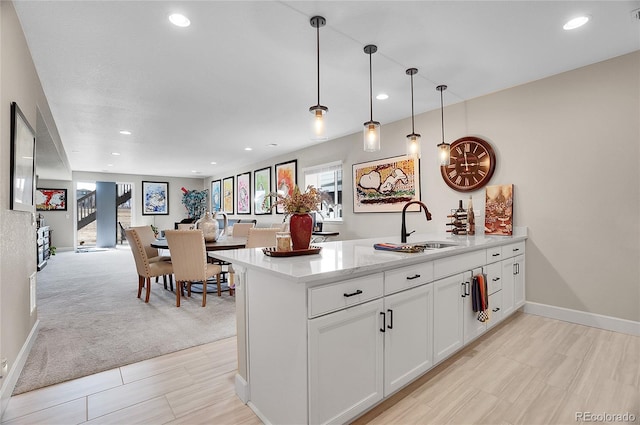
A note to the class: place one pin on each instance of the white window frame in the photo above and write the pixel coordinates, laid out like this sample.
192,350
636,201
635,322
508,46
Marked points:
323,168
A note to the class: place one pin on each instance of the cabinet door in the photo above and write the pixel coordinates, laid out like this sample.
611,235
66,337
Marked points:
508,270
447,316
473,328
408,349
345,362
519,281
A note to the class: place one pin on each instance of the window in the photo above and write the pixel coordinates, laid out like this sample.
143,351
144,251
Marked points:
327,178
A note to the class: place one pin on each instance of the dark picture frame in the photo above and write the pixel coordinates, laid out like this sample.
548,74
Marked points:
286,179
216,195
155,198
227,195
23,152
51,199
261,188
243,193
386,185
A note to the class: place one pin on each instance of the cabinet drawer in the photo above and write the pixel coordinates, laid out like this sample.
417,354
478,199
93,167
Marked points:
494,254
494,277
513,249
495,306
336,296
448,266
407,277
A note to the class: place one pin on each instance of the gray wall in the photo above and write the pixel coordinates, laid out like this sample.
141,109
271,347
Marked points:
106,214
569,144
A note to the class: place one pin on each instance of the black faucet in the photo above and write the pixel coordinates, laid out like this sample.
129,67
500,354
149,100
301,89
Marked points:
403,230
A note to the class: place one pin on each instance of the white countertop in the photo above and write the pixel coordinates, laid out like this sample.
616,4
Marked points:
352,258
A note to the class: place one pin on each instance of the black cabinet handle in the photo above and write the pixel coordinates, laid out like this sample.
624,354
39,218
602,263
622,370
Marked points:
495,255
384,320
415,276
516,249
495,279
497,309
358,292
390,325
462,295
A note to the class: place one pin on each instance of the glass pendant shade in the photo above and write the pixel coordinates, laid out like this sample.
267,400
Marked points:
318,123
371,136
444,152
413,145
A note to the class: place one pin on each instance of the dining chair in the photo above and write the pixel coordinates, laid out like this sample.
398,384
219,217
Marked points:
189,259
146,270
260,237
188,226
280,226
241,229
147,236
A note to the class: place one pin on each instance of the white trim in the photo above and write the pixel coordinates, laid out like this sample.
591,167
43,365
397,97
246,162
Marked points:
9,383
584,318
242,389
328,166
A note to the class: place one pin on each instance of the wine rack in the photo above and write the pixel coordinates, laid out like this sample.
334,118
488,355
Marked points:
458,221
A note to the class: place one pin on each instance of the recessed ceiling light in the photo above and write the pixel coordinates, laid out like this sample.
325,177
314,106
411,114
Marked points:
125,132
248,149
382,96
115,153
575,23
109,165
194,171
213,163
179,20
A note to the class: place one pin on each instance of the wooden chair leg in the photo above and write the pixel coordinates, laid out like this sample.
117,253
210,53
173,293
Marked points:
232,285
164,280
219,287
146,299
204,293
140,285
171,282
178,291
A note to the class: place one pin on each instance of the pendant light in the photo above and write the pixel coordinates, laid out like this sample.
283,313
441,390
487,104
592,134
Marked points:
319,120
371,127
413,139
444,149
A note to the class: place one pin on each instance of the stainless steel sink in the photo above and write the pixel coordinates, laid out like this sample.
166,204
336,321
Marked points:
434,244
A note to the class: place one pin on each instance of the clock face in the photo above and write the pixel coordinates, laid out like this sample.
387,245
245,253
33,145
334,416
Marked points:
471,166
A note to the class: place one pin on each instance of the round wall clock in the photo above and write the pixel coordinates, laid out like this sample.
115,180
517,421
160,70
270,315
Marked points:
472,164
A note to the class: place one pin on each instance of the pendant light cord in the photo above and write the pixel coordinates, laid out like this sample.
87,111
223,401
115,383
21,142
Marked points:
442,114
370,90
318,57
412,128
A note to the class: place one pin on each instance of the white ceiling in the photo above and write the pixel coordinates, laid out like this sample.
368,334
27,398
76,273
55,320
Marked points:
244,73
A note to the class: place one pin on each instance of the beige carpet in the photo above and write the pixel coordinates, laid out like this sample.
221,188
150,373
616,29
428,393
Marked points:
91,319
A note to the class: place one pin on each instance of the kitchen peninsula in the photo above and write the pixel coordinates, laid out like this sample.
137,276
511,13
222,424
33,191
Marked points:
323,338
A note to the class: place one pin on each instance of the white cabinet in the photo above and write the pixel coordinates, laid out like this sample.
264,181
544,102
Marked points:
473,328
345,363
518,281
508,269
408,349
513,292
448,319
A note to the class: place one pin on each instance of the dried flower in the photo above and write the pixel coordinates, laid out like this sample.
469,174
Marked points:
298,202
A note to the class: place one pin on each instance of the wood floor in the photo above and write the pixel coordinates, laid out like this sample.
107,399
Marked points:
531,370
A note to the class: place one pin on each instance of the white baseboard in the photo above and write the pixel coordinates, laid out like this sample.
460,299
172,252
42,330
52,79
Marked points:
583,318
242,388
9,383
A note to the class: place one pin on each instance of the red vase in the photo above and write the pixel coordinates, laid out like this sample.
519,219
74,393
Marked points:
300,226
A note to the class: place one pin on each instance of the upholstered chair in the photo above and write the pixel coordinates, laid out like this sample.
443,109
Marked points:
189,259
259,237
146,270
147,237
241,229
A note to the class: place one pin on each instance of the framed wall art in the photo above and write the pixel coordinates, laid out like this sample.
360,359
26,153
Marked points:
286,179
243,182
386,185
498,216
261,188
23,149
227,195
155,198
216,195
51,199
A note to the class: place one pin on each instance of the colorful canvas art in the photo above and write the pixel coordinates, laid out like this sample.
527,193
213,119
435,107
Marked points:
499,210
262,186
285,180
227,195
51,199
244,193
155,198
386,185
216,195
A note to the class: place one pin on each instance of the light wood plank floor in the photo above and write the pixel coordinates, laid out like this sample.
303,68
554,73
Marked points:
530,370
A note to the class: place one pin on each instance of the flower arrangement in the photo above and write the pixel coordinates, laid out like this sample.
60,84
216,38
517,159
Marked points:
296,203
195,202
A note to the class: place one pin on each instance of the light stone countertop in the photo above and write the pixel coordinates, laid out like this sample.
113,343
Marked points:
353,258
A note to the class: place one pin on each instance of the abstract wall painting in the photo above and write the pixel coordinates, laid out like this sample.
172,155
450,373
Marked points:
262,187
227,195
286,179
155,198
51,199
243,182
216,195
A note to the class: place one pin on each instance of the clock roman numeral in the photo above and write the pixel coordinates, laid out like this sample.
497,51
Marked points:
467,147
475,180
475,148
459,179
482,173
466,181
482,154
452,174
459,150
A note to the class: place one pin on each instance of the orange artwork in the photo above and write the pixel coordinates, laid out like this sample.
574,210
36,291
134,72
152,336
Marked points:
499,210
285,180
